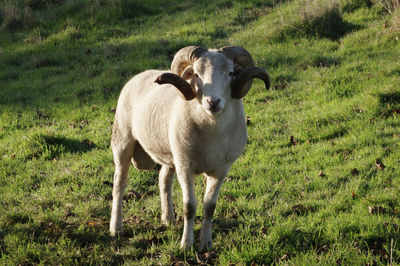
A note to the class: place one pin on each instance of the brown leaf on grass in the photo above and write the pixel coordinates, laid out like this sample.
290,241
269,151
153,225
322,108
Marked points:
376,210
322,249
307,178
97,223
48,226
93,223
132,195
300,209
267,99
180,263
108,196
357,110
68,213
88,143
321,174
12,156
133,219
377,248
354,172
353,195
281,86
150,241
229,198
379,164
395,227
264,230
42,115
113,109
287,256
83,123
207,258
293,141
248,121
395,111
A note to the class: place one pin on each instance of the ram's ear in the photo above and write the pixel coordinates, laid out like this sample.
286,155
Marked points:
188,73
182,85
237,69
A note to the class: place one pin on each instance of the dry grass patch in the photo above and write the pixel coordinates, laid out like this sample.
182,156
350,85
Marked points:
314,18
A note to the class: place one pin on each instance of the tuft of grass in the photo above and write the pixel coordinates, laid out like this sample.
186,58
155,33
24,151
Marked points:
352,5
389,6
322,19
38,4
11,17
392,25
314,19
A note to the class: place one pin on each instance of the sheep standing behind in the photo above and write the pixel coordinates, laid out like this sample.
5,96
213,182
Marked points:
190,120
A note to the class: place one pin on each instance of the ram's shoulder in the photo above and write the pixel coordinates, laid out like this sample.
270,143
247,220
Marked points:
146,77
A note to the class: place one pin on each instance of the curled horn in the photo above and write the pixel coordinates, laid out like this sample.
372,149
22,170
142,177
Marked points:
184,57
244,79
182,85
239,85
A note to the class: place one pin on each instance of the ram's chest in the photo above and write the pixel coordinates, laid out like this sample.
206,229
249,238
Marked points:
218,156
209,151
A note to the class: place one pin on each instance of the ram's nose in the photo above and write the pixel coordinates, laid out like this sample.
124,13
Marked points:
214,104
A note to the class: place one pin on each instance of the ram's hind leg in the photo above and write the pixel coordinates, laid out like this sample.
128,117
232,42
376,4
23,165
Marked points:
122,151
166,179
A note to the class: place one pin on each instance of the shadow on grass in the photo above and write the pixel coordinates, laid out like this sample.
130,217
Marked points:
379,246
224,226
50,147
68,66
389,104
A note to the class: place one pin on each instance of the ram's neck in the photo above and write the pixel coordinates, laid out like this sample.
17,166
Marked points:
209,143
230,118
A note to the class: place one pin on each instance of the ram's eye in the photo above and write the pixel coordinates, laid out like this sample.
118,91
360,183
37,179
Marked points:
230,74
197,76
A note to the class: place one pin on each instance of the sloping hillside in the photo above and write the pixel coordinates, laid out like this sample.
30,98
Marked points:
318,183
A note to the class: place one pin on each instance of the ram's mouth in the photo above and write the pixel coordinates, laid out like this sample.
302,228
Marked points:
213,111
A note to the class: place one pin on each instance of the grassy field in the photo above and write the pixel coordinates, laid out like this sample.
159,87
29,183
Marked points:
319,182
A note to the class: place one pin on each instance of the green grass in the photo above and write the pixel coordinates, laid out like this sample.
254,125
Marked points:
324,142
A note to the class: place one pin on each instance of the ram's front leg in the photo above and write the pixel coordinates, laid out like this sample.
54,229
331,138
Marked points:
210,201
185,179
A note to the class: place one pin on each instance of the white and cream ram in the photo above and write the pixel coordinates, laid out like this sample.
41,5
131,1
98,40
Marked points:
191,121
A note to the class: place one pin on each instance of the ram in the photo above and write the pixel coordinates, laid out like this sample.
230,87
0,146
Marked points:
191,121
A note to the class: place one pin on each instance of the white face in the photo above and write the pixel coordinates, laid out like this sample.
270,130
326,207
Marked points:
213,76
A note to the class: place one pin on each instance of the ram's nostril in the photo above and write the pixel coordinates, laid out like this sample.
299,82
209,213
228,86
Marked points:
213,103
